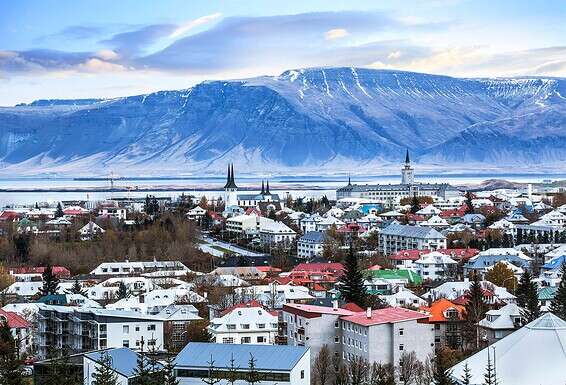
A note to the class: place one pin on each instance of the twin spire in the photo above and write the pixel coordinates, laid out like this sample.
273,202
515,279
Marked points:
265,188
230,182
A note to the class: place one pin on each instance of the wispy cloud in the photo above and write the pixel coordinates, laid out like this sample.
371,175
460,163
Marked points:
192,24
335,33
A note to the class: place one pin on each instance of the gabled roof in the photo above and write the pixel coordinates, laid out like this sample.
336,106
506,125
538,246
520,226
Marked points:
438,309
268,357
412,231
15,321
383,316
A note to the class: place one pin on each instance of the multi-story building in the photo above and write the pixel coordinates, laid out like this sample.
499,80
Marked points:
396,237
131,267
499,323
310,245
244,325
383,335
20,329
276,233
435,265
84,329
447,319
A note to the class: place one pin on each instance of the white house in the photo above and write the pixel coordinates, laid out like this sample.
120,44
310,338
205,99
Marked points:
132,267
90,230
244,325
435,266
274,232
311,245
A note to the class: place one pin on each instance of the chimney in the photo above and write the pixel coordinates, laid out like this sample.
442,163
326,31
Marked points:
205,294
335,305
368,312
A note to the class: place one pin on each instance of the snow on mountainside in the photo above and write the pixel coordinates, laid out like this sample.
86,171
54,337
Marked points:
313,119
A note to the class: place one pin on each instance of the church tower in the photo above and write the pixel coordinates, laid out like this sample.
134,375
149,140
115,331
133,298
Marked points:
230,188
407,172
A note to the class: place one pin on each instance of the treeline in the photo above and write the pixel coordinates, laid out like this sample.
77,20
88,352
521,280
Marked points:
168,237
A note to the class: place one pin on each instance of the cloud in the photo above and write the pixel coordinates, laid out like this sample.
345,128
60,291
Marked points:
186,27
107,54
96,65
336,33
133,43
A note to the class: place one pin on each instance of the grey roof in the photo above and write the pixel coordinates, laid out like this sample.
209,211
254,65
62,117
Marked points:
257,197
397,187
412,231
314,236
268,357
484,261
124,360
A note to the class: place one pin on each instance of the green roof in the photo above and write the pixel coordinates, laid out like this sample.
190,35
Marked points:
546,293
409,275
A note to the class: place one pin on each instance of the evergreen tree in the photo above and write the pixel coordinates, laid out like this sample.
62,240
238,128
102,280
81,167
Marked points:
527,297
475,310
352,288
440,373
489,377
103,373
232,374
467,376
50,282
76,288
142,372
212,377
59,212
558,305
415,204
10,363
123,291
253,376
169,377
59,370
469,205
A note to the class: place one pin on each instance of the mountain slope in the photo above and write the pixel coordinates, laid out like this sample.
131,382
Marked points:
313,119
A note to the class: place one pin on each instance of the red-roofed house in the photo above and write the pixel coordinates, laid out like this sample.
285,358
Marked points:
334,267
405,258
30,273
20,328
447,317
10,216
383,335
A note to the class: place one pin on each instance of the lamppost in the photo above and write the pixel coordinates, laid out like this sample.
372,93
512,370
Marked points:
514,282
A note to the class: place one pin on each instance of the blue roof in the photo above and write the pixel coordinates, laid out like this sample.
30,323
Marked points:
268,357
314,236
124,360
555,264
483,261
412,231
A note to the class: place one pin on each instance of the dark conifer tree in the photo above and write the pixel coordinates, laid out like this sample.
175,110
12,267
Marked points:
440,373
469,205
475,310
558,305
527,297
415,204
10,363
77,288
467,376
103,373
59,212
50,282
352,288
123,291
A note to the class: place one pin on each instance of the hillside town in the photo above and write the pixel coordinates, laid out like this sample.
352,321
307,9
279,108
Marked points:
410,283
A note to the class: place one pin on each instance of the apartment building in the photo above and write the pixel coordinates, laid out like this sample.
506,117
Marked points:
85,329
396,237
244,325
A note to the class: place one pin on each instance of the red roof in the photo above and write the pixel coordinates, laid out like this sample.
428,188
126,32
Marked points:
375,267
415,218
59,271
75,211
414,254
352,307
383,316
437,310
352,228
10,216
408,255
315,310
459,212
333,267
252,210
15,321
252,303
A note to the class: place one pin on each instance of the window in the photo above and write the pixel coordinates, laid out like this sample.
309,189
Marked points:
261,340
336,340
228,340
437,326
231,327
125,329
125,343
245,326
302,374
137,328
401,331
401,347
261,326
246,340
151,327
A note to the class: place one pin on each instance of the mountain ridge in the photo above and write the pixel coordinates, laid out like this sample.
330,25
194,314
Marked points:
307,119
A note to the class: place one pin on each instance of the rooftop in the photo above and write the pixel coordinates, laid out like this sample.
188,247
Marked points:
383,316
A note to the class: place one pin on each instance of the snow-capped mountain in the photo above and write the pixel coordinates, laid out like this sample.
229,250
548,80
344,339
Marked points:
331,119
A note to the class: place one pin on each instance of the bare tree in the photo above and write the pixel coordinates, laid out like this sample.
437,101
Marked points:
341,376
425,372
408,368
358,368
382,374
323,367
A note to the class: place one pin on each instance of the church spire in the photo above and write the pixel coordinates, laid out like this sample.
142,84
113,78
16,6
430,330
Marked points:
349,180
267,188
407,159
262,187
230,181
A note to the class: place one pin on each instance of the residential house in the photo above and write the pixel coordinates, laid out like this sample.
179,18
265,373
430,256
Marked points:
123,363
499,323
447,318
396,237
244,325
311,244
435,266
21,330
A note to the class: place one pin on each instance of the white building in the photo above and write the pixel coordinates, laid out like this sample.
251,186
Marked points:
131,267
274,295
90,230
276,364
435,266
244,325
113,212
396,237
311,245
276,233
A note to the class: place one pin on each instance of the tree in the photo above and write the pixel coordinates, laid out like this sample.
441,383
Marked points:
123,291
59,369
503,276
103,372
527,297
341,376
558,305
467,376
10,363
408,367
352,288
415,204
59,212
358,369
77,288
50,282
142,372
232,375
253,376
169,377
490,376
475,310
382,374
322,367
469,204
440,373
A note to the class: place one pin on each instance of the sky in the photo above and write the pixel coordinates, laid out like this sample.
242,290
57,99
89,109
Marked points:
52,49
